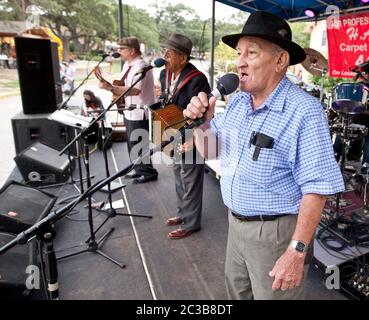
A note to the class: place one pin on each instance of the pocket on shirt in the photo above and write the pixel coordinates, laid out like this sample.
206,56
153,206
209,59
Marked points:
261,170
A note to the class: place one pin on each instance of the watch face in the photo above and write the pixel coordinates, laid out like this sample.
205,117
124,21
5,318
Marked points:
300,247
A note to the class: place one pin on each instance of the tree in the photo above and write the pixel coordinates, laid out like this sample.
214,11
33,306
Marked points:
299,35
86,23
138,23
225,58
13,9
178,19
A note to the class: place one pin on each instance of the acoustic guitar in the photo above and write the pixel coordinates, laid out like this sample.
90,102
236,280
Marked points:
165,123
119,102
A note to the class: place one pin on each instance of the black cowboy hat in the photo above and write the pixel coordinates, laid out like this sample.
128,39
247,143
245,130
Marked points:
270,27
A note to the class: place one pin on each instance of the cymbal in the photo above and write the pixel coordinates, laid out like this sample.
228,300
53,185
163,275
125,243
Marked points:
315,62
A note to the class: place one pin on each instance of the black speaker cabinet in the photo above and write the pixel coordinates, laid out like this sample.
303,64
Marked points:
39,74
40,164
28,129
13,268
21,206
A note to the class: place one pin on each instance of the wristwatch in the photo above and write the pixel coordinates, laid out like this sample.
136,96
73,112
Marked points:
299,246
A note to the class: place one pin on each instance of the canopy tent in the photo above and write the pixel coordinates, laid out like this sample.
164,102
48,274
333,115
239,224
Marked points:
291,10
294,10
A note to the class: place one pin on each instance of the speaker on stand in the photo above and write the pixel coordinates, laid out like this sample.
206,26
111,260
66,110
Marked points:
39,74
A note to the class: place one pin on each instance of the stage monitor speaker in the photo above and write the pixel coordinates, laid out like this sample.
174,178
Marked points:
39,74
22,206
13,267
28,129
40,164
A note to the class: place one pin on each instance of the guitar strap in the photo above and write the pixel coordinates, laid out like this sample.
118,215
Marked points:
121,103
123,80
181,84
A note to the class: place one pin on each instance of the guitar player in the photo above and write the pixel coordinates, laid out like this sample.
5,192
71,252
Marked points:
136,119
180,81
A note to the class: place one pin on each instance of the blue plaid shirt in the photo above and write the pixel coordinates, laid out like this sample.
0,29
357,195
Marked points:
301,160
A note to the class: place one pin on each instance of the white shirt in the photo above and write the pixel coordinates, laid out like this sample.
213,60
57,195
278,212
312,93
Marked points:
146,86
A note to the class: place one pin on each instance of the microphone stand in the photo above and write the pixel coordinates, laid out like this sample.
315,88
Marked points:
102,114
111,211
41,228
63,105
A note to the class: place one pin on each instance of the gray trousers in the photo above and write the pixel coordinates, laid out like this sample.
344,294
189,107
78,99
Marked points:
253,248
189,180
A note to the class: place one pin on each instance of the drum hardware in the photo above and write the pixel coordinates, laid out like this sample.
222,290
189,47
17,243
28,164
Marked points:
366,175
316,64
354,131
346,141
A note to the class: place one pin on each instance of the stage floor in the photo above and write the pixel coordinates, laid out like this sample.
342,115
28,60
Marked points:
156,267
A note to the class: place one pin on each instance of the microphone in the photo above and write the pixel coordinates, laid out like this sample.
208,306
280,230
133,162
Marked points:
157,63
226,85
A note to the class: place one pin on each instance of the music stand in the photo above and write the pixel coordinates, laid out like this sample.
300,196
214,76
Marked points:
78,122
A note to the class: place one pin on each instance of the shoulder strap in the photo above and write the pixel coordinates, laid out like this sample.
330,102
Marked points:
186,79
125,75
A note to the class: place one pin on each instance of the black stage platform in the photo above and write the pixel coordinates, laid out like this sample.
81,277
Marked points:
156,267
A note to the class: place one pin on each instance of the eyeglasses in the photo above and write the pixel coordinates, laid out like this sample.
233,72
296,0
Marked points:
169,52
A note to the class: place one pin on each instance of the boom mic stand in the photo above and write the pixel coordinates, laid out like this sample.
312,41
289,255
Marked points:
52,217
41,228
111,211
93,245
64,104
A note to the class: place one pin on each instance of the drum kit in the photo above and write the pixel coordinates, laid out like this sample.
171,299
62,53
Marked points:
347,109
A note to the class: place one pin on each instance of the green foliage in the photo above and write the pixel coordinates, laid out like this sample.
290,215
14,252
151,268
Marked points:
12,10
81,18
180,19
328,83
232,25
225,58
298,35
84,25
138,23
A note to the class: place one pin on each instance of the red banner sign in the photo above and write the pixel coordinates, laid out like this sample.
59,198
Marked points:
348,43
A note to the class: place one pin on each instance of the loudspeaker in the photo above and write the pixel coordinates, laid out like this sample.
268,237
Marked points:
40,164
39,74
28,129
13,267
22,206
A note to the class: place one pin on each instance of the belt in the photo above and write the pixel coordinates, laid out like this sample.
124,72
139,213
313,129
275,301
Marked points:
257,218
